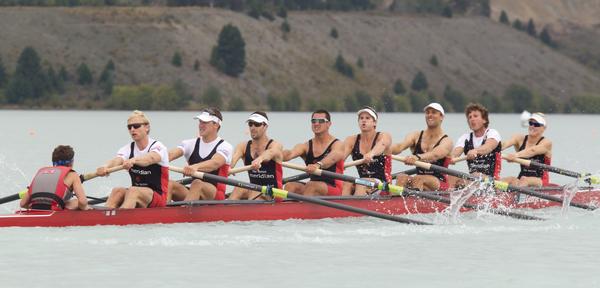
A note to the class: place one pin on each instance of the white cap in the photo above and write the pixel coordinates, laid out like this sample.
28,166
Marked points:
255,117
435,106
207,117
368,110
538,117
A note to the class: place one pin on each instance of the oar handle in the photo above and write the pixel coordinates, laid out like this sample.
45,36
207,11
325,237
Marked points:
300,168
240,169
459,159
196,174
521,161
420,164
89,176
354,163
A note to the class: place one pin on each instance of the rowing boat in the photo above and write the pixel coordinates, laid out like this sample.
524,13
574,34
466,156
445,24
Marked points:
258,210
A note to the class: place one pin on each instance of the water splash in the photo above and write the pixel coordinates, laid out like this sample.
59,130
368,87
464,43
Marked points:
459,197
569,191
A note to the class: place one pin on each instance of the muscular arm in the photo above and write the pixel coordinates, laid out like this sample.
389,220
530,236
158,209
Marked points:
175,153
383,144
298,150
72,180
210,165
457,151
238,153
438,152
543,148
103,170
146,159
273,153
336,154
489,146
348,145
408,141
512,142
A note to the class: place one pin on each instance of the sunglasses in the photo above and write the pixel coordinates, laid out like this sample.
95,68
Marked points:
318,120
135,126
535,124
255,124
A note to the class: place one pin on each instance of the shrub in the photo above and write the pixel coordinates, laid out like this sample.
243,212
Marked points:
519,96
3,75
196,65
360,63
504,18
343,67
333,33
229,55
546,38
176,59
84,75
531,28
29,80
285,27
236,104
419,83
399,87
293,100
433,60
212,97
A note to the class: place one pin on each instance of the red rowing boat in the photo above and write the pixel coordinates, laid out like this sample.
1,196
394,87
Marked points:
210,211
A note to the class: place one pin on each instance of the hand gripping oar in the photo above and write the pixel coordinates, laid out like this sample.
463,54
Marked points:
394,189
267,190
501,185
585,176
303,176
82,177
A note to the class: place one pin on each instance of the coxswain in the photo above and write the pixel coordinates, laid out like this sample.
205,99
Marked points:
372,146
533,146
206,153
147,161
330,157
263,153
53,187
430,145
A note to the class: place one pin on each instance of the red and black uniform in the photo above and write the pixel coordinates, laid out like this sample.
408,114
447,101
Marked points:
440,162
532,171
154,176
334,187
270,172
489,164
223,171
380,168
47,190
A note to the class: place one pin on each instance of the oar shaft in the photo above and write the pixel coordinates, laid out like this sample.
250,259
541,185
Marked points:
240,169
354,163
89,176
295,178
321,172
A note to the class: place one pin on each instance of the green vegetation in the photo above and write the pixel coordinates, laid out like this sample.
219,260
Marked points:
176,59
419,83
360,63
84,75
229,55
504,18
343,67
399,87
3,75
433,60
285,27
29,81
546,38
333,33
531,28
196,65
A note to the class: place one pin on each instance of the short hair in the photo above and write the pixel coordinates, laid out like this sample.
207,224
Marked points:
262,113
63,153
139,114
478,107
214,112
322,111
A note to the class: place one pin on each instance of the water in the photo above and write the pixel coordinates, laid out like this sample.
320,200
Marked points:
479,250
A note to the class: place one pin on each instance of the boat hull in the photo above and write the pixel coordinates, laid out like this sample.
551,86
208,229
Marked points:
211,211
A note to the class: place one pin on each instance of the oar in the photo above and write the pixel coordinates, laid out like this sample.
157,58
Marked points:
286,194
459,159
501,185
394,189
303,176
82,177
535,164
354,163
240,169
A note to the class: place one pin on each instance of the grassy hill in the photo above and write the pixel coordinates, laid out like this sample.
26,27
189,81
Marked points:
474,54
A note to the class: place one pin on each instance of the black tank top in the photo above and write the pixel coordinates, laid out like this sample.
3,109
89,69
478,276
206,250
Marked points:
531,171
195,158
150,176
488,164
439,162
269,172
311,159
375,169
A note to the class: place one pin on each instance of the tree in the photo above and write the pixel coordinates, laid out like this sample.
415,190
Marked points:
84,75
447,12
293,100
520,97
282,12
275,103
29,80
518,25
212,97
196,65
531,28
343,67
229,55
176,59
546,38
433,60
54,81
63,74
419,83
486,9
3,76
456,99
285,27
333,33
389,102
504,18
399,87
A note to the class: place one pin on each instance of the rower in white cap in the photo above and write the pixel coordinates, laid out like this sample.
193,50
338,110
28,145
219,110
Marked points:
372,146
207,153
263,153
533,146
430,145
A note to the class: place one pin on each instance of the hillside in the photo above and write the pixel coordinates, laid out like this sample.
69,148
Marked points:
474,53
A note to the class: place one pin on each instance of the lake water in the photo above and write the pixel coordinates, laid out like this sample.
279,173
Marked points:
481,250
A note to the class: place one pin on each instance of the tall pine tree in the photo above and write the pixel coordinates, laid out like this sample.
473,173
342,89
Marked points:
29,80
229,55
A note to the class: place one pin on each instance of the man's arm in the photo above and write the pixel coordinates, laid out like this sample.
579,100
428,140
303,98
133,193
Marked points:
349,145
381,146
542,148
175,153
103,170
238,153
297,151
438,152
408,142
512,142
72,180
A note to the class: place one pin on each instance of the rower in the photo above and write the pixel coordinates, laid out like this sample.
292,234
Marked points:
331,153
263,153
372,146
206,153
533,146
482,146
53,187
430,145
148,164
